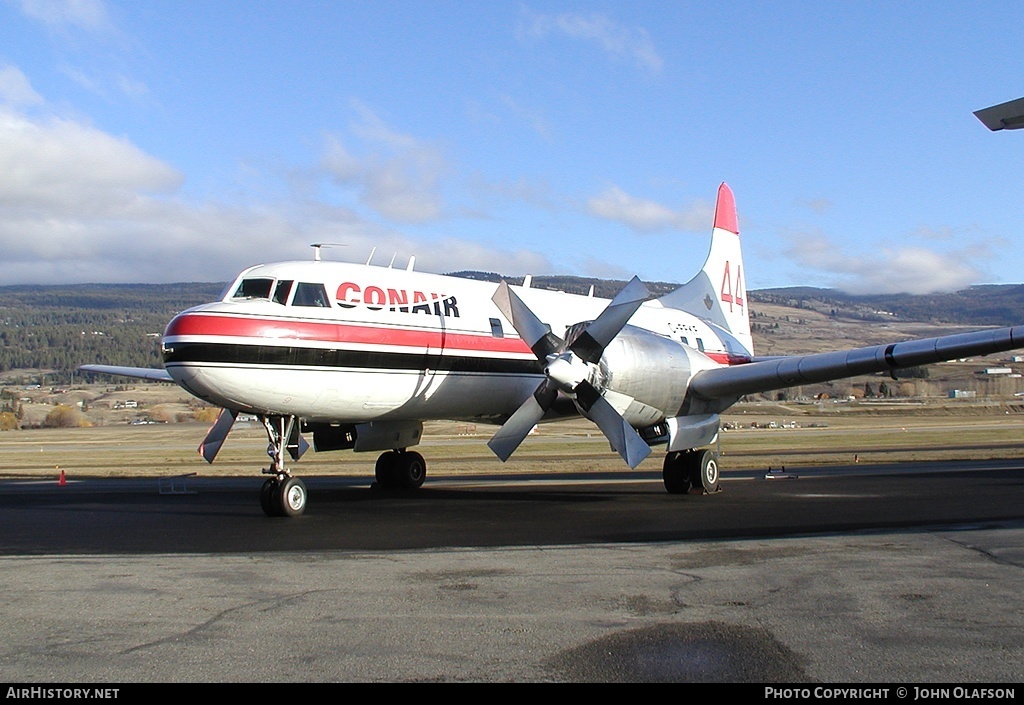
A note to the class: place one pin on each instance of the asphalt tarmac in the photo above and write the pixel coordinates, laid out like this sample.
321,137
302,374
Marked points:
887,574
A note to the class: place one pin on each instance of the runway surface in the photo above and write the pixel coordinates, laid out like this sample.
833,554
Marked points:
900,573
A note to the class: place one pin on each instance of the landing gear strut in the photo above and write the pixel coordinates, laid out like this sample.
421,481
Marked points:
400,469
691,471
282,494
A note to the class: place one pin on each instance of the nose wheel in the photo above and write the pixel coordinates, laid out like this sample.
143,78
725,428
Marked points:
283,498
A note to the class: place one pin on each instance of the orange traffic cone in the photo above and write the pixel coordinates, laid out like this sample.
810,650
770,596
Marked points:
62,481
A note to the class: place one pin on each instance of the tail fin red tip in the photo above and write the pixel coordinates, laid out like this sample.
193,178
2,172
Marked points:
725,210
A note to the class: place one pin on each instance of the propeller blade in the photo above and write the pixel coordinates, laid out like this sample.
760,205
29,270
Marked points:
624,439
564,372
590,344
217,433
531,329
519,425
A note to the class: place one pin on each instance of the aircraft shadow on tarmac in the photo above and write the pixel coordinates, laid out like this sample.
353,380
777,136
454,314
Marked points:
109,516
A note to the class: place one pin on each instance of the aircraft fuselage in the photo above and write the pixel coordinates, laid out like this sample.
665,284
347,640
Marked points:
394,344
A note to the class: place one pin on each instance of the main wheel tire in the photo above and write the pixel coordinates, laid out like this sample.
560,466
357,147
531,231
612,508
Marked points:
270,498
293,497
411,470
676,473
705,472
385,471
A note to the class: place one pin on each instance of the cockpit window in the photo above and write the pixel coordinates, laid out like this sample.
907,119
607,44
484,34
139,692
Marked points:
309,294
281,291
254,288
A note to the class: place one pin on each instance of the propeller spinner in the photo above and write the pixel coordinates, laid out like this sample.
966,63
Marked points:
572,369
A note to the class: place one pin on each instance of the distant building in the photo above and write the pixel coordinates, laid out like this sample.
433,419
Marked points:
962,394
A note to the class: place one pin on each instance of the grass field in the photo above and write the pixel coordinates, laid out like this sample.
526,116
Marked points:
866,435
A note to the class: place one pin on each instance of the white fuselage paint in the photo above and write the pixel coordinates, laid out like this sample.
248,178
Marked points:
388,344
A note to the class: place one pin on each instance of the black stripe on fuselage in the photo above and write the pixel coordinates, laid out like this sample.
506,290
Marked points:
289,356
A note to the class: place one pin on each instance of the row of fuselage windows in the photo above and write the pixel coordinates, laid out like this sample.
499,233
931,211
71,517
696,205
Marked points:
278,290
315,295
686,341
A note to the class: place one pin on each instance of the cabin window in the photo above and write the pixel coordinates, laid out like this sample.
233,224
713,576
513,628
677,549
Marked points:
496,329
310,294
254,288
284,287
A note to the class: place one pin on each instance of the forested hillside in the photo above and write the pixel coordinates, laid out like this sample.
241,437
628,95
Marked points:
62,327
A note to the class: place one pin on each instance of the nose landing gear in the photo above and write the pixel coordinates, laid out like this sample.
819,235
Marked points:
282,494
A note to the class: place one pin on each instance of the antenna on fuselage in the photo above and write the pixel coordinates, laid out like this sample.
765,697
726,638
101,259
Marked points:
318,245
392,262
412,263
372,253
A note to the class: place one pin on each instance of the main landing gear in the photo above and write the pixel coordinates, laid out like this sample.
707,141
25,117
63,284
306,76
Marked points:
283,495
691,471
400,469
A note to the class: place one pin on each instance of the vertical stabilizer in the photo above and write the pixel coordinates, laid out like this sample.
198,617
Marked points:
719,292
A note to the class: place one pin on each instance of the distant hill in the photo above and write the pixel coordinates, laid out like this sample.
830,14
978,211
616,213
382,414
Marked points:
61,327
987,305
151,298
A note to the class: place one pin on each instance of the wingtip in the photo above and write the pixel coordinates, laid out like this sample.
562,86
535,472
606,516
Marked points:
725,210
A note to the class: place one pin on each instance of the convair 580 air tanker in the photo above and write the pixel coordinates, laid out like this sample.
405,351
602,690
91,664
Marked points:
359,356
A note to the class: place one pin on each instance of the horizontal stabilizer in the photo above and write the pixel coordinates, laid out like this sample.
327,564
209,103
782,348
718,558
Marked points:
136,372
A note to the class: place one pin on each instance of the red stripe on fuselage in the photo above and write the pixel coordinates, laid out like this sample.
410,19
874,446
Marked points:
195,324
723,358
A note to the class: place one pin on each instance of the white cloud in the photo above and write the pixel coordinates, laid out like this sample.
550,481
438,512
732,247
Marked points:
648,216
910,270
453,254
400,179
15,89
631,43
534,193
89,15
79,205
944,233
66,166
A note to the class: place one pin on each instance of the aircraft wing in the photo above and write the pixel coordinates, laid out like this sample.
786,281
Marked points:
1005,116
137,372
727,384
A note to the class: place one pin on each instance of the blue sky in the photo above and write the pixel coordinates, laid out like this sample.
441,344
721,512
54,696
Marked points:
182,140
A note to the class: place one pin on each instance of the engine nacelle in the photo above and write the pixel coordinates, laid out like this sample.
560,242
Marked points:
645,376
